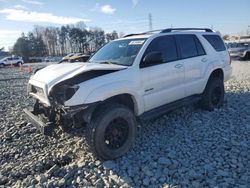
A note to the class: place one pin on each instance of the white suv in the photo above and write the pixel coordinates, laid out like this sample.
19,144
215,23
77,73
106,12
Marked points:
8,61
139,76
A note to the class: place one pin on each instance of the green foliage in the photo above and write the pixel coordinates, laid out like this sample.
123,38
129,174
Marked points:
21,47
30,46
60,41
111,36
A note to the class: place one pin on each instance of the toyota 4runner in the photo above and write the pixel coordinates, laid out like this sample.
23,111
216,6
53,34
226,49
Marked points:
139,76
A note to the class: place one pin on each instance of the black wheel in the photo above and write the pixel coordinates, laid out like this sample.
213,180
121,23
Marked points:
2,65
18,64
213,95
112,131
247,56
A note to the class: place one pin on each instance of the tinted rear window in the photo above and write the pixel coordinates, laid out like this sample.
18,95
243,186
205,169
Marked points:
216,42
187,46
199,47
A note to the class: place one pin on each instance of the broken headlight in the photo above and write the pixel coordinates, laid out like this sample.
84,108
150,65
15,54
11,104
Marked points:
62,93
70,91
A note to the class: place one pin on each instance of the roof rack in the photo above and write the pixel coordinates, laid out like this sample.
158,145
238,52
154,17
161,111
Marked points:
168,30
185,29
144,33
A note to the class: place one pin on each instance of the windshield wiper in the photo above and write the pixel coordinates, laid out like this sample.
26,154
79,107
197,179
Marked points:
106,62
109,62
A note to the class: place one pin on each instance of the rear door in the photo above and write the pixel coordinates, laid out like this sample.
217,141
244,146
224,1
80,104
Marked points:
194,58
162,83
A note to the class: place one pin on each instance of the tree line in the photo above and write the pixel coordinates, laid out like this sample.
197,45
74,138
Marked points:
59,41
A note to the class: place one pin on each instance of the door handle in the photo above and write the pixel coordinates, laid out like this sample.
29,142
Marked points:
150,89
204,60
178,66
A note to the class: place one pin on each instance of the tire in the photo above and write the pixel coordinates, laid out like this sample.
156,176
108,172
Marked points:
111,131
213,96
18,64
2,65
247,56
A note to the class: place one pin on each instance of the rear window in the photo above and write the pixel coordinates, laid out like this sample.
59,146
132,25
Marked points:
199,47
187,46
216,42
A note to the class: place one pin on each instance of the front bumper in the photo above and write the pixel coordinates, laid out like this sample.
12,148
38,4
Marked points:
237,54
44,128
75,114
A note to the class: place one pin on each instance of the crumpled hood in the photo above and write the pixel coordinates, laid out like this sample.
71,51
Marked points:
54,74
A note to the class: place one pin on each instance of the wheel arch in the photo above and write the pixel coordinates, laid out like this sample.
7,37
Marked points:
217,73
125,99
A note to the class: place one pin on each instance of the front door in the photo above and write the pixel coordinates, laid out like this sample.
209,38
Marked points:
164,82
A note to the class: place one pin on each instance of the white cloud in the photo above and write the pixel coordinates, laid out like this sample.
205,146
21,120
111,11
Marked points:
19,7
33,2
6,32
135,2
107,9
32,16
8,37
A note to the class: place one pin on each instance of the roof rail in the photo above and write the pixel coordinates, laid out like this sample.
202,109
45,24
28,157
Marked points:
185,29
144,33
168,30
132,34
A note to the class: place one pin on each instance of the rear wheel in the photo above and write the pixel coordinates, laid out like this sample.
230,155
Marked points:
247,56
213,95
112,131
1,65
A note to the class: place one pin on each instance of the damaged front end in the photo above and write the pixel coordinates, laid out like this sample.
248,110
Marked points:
47,117
52,92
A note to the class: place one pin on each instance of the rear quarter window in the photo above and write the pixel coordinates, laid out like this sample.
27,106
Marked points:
216,42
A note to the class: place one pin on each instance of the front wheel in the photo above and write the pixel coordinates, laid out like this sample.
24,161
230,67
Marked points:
112,131
213,95
19,64
2,65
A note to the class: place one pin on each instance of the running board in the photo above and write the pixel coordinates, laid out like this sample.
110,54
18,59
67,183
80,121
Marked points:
159,111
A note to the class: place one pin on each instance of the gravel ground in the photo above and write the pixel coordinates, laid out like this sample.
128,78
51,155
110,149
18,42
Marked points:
185,148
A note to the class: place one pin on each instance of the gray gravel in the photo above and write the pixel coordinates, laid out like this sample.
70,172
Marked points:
185,148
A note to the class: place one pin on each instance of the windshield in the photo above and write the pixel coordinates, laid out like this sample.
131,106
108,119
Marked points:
121,52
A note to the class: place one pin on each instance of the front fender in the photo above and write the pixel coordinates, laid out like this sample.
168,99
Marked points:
117,88
103,92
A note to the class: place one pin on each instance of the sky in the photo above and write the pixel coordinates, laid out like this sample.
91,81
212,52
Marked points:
127,16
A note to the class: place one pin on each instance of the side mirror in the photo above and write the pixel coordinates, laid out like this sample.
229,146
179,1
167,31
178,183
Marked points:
152,58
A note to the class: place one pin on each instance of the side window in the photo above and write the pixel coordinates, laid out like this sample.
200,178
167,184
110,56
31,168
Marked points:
216,42
166,45
187,46
199,47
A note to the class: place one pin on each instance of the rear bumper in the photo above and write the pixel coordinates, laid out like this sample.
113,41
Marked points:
44,128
